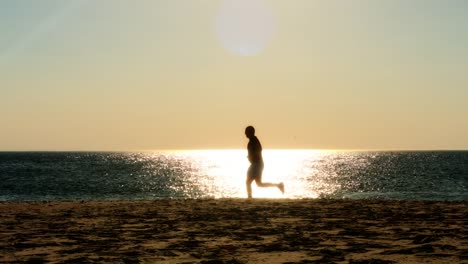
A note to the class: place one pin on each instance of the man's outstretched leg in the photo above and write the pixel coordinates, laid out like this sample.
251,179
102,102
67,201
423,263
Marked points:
248,184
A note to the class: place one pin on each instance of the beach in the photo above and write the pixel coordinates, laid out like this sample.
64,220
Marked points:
234,231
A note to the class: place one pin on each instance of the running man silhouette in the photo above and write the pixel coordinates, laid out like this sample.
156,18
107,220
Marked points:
254,173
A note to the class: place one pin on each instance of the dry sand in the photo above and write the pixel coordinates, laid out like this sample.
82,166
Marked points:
234,231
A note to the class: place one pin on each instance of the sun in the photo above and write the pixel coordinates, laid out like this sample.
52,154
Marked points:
244,27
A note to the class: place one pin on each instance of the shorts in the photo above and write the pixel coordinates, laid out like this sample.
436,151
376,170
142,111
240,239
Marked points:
255,171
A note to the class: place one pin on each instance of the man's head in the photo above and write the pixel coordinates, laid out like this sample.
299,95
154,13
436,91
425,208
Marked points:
250,131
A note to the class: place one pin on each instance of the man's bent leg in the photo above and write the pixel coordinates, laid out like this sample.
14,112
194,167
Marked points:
259,183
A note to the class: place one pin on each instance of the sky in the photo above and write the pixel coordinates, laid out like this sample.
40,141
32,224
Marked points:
192,74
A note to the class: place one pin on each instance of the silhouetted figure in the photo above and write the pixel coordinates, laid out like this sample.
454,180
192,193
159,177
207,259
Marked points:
254,173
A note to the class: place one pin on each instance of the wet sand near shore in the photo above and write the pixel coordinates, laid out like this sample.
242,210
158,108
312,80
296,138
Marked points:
234,231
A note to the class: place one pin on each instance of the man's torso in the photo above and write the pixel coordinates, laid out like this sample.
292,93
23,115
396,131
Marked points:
255,150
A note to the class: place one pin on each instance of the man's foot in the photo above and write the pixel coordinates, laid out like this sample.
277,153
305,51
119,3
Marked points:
281,187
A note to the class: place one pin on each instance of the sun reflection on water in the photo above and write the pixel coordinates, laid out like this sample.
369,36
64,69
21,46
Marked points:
222,173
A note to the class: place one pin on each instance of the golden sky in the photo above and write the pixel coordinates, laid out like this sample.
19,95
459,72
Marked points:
177,74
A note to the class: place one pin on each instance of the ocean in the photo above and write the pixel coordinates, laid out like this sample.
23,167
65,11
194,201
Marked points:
400,175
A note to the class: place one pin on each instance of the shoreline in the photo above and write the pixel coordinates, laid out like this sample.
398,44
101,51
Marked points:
234,231
369,199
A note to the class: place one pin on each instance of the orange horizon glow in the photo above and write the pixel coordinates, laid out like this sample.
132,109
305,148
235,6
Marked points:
103,75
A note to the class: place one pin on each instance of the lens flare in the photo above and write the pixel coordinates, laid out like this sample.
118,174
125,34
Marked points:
244,27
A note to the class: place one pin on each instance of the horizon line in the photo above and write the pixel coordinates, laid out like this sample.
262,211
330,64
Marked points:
265,149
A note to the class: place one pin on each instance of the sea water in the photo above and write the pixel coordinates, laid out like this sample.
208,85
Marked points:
403,175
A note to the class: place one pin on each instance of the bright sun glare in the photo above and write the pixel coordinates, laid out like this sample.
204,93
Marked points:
227,172
244,27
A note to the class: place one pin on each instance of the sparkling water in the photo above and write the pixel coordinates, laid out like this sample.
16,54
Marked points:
34,176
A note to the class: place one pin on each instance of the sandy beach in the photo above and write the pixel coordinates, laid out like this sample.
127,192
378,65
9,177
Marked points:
234,231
